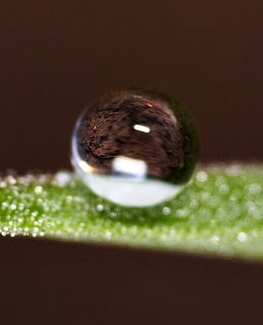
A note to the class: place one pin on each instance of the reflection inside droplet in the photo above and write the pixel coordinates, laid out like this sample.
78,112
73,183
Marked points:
129,166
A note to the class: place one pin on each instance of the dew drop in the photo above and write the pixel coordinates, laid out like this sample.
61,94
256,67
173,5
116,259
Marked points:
201,176
3,184
34,214
181,213
224,189
214,239
113,214
166,211
100,207
11,180
242,237
5,229
38,190
254,189
63,178
108,235
135,148
4,205
13,206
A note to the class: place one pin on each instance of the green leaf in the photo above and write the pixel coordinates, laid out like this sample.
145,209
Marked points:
219,213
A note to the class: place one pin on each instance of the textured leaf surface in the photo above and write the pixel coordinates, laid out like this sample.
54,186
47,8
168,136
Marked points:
220,213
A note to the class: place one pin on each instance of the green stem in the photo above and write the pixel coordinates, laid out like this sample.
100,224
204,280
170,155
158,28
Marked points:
220,212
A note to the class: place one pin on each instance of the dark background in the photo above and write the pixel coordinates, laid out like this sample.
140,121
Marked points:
46,282
56,57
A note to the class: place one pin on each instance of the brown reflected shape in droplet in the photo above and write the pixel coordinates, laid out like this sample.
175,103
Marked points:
140,125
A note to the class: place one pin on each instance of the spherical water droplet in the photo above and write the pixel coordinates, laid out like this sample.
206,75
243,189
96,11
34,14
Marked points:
13,206
135,147
63,178
202,176
242,237
100,207
166,211
3,184
38,190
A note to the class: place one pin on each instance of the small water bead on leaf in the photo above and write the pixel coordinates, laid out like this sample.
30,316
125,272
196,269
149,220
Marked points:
135,147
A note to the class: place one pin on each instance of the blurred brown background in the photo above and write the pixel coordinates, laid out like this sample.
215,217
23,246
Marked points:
58,56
